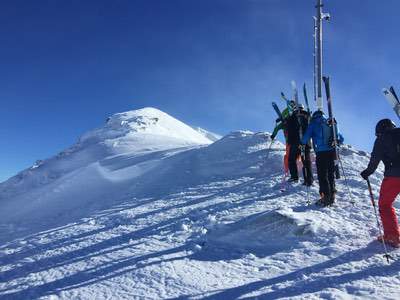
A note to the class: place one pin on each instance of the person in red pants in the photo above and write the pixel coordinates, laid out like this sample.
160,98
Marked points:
387,149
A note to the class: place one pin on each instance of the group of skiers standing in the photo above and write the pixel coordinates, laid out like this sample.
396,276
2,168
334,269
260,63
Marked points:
299,127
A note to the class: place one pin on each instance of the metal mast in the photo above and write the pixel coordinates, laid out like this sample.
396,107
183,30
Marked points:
315,59
318,49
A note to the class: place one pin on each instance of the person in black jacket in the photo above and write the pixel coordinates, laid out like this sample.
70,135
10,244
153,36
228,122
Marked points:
387,149
297,125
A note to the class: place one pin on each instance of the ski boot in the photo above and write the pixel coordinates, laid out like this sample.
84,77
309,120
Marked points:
324,201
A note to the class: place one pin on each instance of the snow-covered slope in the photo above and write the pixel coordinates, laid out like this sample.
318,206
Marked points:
208,134
102,163
190,222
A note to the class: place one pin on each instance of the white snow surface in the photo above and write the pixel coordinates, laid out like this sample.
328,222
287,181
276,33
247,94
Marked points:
147,208
208,134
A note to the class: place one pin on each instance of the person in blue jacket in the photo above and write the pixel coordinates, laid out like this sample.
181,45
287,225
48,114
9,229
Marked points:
321,132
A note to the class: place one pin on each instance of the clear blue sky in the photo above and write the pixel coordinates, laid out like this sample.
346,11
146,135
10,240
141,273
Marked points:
218,64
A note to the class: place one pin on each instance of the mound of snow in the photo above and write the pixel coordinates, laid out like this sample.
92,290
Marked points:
264,233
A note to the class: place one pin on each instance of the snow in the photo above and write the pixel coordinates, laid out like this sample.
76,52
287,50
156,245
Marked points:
146,207
208,134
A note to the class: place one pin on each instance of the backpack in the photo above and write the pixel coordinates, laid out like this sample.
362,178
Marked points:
393,141
327,133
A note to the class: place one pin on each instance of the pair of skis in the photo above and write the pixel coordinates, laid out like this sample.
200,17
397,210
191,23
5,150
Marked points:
393,100
283,96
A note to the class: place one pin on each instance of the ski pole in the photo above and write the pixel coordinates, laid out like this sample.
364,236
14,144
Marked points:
346,182
308,196
371,194
269,149
305,173
270,145
262,167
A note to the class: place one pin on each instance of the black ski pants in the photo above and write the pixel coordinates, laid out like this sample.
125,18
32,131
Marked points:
294,153
326,172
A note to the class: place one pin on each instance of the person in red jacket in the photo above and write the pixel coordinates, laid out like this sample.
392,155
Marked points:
387,149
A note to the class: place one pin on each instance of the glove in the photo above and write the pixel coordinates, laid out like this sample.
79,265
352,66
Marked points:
272,137
365,174
278,120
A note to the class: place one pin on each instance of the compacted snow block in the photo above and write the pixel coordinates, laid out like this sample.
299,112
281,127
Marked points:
264,233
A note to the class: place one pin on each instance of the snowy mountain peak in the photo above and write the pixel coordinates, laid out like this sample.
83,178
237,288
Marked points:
148,127
139,120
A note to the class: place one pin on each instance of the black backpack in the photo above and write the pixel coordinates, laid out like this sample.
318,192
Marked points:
393,142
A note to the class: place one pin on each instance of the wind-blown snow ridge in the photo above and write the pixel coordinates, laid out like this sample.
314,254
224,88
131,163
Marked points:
187,222
209,135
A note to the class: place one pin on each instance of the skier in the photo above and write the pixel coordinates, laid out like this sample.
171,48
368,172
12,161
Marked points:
297,124
281,125
321,131
387,149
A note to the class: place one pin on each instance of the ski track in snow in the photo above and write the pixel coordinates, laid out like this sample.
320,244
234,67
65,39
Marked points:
211,236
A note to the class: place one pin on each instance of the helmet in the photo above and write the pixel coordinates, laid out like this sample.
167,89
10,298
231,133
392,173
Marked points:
292,104
318,113
383,125
301,106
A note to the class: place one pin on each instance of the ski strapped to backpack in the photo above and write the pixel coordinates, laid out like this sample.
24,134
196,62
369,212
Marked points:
302,148
393,100
287,100
297,109
277,110
306,101
331,118
335,136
